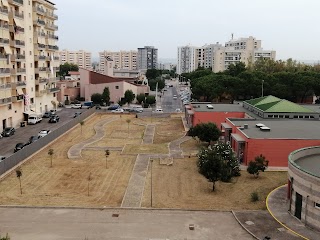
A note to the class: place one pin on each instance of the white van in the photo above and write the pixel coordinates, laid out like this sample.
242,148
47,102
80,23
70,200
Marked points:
34,119
158,110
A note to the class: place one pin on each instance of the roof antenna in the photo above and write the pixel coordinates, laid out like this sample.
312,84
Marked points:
231,36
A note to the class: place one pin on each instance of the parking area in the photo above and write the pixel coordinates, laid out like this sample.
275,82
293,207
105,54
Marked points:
22,134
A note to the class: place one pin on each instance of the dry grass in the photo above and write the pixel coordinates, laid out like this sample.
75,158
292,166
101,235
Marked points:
168,130
146,149
191,146
181,186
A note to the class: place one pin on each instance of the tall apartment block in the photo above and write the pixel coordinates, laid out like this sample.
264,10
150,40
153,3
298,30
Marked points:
121,60
80,58
147,58
28,59
218,57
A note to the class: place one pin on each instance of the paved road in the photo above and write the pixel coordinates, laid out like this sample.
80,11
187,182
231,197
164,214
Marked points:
91,224
23,134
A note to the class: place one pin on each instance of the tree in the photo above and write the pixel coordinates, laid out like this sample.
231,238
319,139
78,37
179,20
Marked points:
89,179
152,73
206,132
106,95
19,175
259,164
107,153
66,67
129,96
153,84
97,98
128,121
150,100
141,98
235,69
5,238
81,124
50,153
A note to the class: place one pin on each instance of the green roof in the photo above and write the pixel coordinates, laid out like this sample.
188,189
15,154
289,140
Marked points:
262,100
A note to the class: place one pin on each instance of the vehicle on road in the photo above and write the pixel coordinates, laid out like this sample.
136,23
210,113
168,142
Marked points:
118,110
76,114
18,147
1,135
54,119
175,97
76,105
88,104
43,133
34,118
113,107
98,106
32,139
46,115
178,110
158,110
137,109
9,131
2,158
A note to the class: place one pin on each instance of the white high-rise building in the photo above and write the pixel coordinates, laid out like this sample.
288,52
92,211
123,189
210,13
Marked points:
126,60
28,59
187,59
80,58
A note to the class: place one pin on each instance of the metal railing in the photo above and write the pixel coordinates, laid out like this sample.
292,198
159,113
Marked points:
4,70
29,150
5,101
4,10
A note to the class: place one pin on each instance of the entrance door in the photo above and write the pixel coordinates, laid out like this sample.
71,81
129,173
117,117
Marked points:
298,207
4,123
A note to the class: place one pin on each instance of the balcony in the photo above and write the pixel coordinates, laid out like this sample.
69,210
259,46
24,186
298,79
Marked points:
56,58
52,15
39,10
4,41
4,11
42,58
53,79
36,70
39,34
18,98
52,48
44,69
21,71
4,71
3,56
16,2
5,86
18,58
19,84
53,90
40,93
5,101
4,26
39,23
52,27
41,81
20,43
41,46
19,30
52,36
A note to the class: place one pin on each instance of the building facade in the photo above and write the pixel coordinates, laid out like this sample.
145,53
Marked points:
80,58
28,59
147,58
186,59
126,60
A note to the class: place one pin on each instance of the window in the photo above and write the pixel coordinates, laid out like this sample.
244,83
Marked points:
317,205
117,87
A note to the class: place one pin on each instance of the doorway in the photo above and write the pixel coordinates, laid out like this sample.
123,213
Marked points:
298,207
4,123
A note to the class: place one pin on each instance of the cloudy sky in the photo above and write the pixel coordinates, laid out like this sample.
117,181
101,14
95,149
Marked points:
288,26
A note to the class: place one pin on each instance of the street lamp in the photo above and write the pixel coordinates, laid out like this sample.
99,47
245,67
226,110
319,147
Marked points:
262,88
151,161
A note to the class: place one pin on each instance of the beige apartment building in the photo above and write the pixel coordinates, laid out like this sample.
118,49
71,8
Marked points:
28,59
80,58
126,60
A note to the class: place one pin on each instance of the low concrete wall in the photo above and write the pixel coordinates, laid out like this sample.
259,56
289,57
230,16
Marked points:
29,150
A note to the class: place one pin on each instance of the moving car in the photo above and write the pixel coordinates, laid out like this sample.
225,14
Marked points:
18,147
158,110
118,110
175,97
54,119
43,133
2,158
32,139
76,105
46,115
76,114
9,131
113,107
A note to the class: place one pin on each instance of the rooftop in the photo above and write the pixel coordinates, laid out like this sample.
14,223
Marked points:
280,128
310,164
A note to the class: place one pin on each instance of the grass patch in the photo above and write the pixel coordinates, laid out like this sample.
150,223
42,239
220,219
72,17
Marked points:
146,148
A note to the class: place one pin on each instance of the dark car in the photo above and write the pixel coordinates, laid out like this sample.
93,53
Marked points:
2,158
32,139
18,147
46,115
76,114
113,107
98,106
54,119
7,132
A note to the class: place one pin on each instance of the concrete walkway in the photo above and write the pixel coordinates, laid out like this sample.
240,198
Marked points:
149,134
75,150
174,147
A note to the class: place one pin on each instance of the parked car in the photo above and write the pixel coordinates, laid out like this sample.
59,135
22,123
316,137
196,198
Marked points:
9,131
137,109
18,147
46,115
158,110
2,158
178,110
32,139
98,106
76,114
113,107
54,119
76,105
34,119
43,133
118,110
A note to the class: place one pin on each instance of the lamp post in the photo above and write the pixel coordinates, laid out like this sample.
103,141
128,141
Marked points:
151,161
262,88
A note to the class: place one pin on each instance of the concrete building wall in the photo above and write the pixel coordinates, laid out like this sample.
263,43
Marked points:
147,58
81,58
122,60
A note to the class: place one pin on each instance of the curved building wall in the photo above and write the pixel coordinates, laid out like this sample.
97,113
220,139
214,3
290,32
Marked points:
304,186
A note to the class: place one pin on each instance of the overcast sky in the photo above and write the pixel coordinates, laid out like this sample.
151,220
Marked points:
288,26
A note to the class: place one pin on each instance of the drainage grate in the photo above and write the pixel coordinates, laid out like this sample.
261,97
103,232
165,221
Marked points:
115,215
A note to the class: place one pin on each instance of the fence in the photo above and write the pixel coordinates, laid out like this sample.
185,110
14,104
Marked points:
27,151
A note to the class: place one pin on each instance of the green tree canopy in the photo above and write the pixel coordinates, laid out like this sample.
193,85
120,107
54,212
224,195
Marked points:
150,100
153,73
96,98
66,67
141,98
206,132
106,95
259,164
129,96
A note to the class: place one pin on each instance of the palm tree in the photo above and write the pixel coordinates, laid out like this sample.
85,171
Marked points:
81,124
19,175
107,153
50,153
128,121
89,179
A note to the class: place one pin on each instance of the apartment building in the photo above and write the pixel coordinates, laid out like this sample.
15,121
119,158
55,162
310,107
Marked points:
187,59
147,58
28,59
246,50
126,60
80,58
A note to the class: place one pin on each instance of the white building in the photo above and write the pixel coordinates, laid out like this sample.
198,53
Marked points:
126,60
80,58
186,59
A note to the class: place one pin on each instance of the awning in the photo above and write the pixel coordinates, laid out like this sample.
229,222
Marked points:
7,49
5,3
18,22
19,91
226,126
237,138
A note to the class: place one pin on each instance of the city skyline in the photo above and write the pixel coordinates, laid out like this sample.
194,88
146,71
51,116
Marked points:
126,25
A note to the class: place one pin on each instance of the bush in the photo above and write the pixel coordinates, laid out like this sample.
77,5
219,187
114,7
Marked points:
254,196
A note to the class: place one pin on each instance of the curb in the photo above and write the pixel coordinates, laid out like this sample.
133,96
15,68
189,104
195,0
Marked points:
251,233
282,224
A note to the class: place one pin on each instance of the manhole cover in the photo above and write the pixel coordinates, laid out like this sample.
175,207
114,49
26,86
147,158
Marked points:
249,223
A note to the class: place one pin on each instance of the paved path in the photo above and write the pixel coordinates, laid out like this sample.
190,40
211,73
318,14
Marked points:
174,147
149,134
75,150
134,192
104,148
